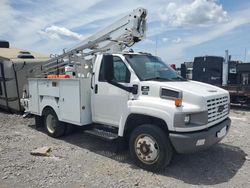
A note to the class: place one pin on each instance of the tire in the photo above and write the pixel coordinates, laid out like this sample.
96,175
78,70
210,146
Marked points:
150,147
53,126
39,121
70,129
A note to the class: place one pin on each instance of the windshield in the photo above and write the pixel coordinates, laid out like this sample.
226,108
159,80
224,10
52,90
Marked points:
149,67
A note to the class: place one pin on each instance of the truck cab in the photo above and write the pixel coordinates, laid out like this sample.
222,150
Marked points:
136,98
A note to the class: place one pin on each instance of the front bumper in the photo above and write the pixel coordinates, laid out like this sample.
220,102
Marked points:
195,141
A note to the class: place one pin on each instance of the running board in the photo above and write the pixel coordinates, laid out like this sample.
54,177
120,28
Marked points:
102,134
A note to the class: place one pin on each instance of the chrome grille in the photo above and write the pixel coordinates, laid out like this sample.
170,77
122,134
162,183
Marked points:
217,108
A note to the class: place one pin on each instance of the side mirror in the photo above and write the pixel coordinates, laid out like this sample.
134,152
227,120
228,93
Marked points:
134,89
108,67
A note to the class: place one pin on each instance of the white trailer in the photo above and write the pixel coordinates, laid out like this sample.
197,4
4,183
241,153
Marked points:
131,97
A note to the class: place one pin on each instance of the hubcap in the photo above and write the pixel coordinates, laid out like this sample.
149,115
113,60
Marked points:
51,123
146,148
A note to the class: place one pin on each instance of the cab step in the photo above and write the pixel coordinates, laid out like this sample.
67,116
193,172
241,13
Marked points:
102,134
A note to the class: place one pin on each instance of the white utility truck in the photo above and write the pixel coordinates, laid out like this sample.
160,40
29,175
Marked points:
126,96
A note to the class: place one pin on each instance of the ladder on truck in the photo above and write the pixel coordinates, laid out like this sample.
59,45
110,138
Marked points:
121,34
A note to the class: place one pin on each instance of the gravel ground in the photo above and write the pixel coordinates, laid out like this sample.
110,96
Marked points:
79,160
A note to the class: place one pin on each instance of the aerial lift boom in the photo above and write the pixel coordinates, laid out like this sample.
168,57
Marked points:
123,33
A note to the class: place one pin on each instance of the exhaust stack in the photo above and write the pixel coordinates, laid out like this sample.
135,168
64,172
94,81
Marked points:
225,69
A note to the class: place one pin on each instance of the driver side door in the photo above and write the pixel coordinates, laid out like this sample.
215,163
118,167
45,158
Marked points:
109,102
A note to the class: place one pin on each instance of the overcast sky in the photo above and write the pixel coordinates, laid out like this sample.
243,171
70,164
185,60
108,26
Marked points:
183,29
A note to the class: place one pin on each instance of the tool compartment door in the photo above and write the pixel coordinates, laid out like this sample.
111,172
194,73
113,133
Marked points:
70,101
33,106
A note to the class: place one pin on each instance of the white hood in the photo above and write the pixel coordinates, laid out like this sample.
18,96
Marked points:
187,87
196,88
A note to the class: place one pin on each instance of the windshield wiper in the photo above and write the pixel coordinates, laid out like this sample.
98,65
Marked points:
157,78
178,78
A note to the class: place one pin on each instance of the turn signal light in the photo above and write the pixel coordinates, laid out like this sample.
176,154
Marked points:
178,102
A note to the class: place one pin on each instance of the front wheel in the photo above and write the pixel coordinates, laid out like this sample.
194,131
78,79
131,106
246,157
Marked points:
150,147
53,126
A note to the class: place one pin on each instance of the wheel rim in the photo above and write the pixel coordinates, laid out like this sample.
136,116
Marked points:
51,123
146,149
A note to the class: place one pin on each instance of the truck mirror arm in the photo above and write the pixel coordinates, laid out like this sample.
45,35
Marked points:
133,89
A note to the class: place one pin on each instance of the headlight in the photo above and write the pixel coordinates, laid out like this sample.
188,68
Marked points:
187,119
190,119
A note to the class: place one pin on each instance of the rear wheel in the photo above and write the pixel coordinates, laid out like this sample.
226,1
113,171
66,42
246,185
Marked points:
38,121
150,147
53,126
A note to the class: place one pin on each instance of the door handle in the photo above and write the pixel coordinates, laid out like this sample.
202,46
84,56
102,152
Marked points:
96,88
91,82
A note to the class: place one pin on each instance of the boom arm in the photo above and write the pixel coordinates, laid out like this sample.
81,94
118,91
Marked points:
123,33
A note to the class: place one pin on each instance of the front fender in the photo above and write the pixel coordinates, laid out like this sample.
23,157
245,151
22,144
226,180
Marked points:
153,109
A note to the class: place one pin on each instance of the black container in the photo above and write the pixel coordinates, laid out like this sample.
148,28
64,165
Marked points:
183,70
243,73
208,69
232,72
243,67
4,44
